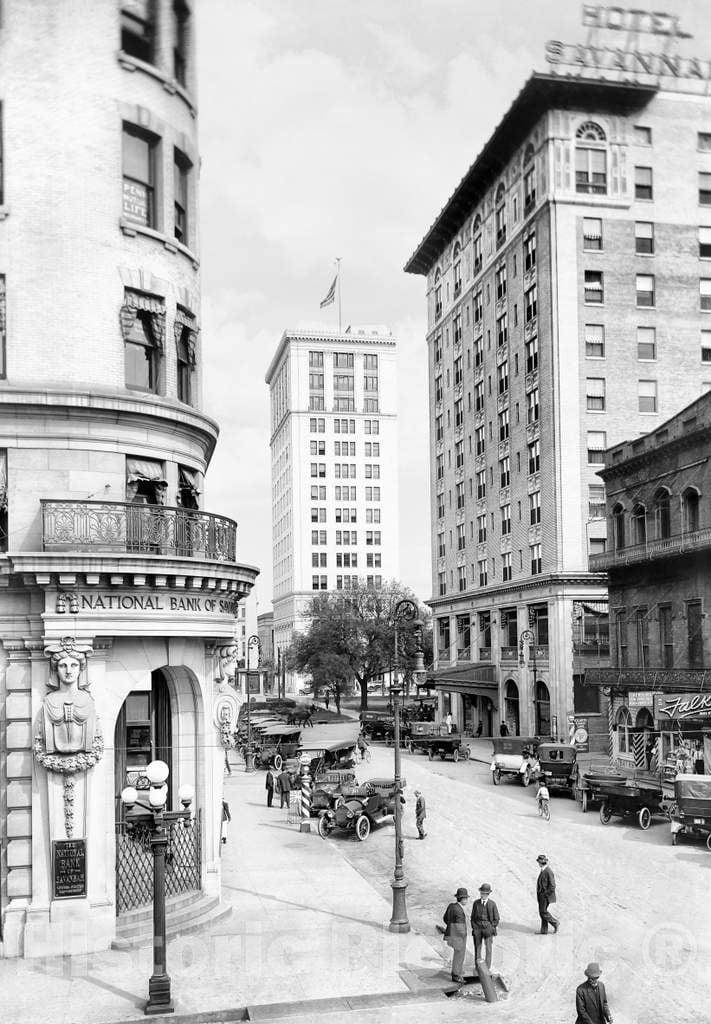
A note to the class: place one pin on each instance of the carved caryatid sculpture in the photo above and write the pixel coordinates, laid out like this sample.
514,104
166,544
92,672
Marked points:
68,736
226,704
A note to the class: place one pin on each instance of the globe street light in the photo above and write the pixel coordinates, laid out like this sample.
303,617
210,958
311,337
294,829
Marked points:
405,612
153,814
253,641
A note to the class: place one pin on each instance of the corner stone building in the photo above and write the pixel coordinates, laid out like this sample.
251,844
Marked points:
103,451
568,297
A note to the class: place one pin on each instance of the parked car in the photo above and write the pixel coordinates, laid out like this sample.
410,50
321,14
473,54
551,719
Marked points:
557,763
437,741
691,812
328,787
514,755
377,724
372,802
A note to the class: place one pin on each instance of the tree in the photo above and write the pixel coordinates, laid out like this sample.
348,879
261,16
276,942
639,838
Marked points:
351,636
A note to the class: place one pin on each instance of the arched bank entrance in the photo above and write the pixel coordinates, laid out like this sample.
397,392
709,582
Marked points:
156,724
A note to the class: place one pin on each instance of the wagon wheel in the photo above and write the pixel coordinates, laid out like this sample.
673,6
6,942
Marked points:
644,817
605,814
278,762
496,776
466,752
430,753
455,754
584,802
708,841
362,827
324,828
526,777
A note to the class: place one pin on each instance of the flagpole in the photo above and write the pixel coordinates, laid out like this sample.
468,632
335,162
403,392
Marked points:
338,277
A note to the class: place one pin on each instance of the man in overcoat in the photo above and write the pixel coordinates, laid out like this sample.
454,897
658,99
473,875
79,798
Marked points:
284,782
591,999
420,814
269,786
455,932
485,922
545,893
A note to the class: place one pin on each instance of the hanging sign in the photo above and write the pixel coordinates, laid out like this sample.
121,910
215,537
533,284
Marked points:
68,868
678,707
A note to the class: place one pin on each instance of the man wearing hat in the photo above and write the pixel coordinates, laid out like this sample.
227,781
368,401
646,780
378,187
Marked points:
455,933
545,892
420,814
485,921
591,1000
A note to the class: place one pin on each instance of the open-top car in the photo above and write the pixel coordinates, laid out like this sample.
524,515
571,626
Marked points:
370,803
329,786
514,755
557,764
436,741
691,811
274,744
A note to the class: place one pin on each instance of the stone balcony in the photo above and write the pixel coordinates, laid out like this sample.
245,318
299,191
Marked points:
667,547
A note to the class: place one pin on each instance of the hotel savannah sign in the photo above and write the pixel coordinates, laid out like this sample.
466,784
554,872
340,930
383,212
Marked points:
679,707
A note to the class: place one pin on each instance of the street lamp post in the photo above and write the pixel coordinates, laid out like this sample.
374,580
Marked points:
405,612
154,814
253,641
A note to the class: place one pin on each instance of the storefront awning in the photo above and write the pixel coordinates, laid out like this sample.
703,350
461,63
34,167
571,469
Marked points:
475,680
665,679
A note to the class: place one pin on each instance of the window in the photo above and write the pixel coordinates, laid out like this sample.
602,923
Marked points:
458,413
703,142
483,573
460,494
481,528
481,484
534,457
505,471
529,188
642,135
438,348
342,360
500,216
506,569
477,251
438,295
458,371
479,396
618,526
461,537
505,520
530,302
459,454
595,341
532,407
639,524
647,395
646,343
317,425
342,382
705,243
185,361
594,287
624,724
442,583
138,29
480,438
502,374
139,176
372,537
645,289
502,329
590,159
705,293
643,238
370,383
500,277
504,425
316,360
595,394
704,188
529,252
662,514
706,346
597,443
643,183
694,634
666,637
141,353
592,233
181,18
457,271
534,508
536,559
596,501
181,177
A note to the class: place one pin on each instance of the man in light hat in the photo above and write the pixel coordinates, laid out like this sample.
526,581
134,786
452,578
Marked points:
485,921
455,933
545,893
591,1000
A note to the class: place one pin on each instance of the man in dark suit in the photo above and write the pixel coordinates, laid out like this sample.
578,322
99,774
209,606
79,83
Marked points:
284,782
269,786
485,921
591,999
545,893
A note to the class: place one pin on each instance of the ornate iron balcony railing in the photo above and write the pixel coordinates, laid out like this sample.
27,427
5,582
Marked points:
97,526
666,547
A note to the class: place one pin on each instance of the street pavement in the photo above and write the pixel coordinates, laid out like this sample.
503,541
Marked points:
308,929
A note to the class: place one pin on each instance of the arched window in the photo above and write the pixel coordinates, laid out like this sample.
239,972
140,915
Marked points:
438,294
624,724
528,154
529,180
457,269
690,510
543,709
590,159
644,720
500,215
618,523
511,708
662,513
639,524
476,243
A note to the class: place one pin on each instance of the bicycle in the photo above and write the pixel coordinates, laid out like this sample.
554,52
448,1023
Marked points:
544,810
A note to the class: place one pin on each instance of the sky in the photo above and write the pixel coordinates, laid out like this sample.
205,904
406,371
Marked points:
339,128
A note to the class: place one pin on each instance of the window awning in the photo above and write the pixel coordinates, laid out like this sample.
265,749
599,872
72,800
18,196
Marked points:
189,479
145,469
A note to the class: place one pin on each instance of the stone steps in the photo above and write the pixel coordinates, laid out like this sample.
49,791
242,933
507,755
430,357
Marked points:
186,913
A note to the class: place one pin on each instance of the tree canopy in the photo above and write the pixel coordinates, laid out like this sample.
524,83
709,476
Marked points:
351,636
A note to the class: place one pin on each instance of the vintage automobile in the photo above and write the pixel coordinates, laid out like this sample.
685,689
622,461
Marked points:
641,793
436,741
328,787
691,811
557,764
514,755
377,725
273,744
372,802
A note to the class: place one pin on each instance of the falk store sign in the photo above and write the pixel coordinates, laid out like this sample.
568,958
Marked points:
632,57
680,707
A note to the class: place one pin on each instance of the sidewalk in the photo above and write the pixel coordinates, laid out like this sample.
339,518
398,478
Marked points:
304,925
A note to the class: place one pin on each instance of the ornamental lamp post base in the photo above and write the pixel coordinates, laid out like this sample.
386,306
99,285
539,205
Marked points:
399,921
249,761
159,1000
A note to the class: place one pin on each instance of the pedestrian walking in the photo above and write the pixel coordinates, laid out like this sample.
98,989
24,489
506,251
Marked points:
226,817
448,721
485,923
479,729
455,933
545,893
269,786
420,814
284,783
228,769
591,999
503,729
327,699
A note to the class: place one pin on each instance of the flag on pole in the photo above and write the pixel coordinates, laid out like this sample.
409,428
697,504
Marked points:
331,294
